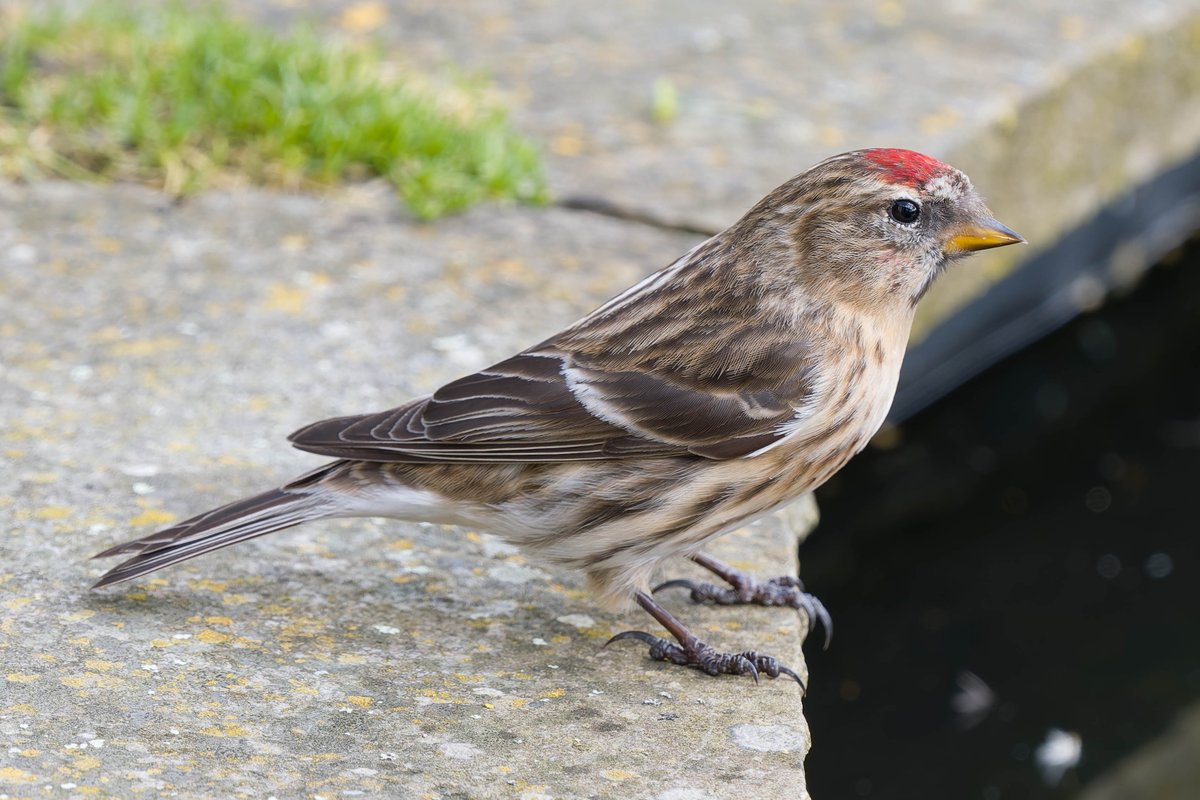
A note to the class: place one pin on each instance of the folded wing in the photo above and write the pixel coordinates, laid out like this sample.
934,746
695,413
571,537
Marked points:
648,374
544,406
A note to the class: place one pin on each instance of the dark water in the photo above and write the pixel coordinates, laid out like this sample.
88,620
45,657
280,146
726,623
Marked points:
1039,528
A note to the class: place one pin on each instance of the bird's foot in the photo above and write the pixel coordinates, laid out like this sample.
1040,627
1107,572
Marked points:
689,651
743,589
698,655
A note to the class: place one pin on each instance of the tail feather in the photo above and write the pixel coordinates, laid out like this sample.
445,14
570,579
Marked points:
244,519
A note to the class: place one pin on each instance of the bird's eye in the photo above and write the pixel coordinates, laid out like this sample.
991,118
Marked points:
905,211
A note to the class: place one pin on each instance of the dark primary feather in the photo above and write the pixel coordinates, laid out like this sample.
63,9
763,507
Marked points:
514,419
661,378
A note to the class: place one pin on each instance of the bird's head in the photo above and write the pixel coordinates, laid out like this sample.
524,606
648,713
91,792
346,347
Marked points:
877,226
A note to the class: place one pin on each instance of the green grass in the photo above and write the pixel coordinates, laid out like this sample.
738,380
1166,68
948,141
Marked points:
190,98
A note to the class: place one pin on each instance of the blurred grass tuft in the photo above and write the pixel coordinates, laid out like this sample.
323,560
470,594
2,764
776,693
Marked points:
190,97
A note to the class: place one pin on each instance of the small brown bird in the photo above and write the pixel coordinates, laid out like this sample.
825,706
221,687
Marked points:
711,393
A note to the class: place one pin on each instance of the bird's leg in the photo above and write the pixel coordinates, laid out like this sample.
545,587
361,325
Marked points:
743,589
691,652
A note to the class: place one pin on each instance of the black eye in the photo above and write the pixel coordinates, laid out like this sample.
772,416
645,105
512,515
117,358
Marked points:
905,211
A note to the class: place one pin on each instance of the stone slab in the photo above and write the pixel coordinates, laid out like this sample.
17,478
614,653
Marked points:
153,359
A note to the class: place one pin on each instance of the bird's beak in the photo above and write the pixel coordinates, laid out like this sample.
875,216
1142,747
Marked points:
981,234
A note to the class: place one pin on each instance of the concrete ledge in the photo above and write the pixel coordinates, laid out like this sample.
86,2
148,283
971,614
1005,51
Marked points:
154,358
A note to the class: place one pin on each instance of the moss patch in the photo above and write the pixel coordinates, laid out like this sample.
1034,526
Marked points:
185,98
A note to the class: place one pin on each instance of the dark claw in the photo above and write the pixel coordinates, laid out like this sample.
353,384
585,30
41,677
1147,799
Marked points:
678,583
641,636
773,668
822,615
790,673
660,649
748,666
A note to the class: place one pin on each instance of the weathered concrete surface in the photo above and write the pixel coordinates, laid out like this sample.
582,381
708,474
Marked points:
153,360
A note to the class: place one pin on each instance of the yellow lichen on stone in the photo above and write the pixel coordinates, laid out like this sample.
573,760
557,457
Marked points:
21,677
293,242
363,17
92,680
1072,27
52,512
209,636
14,775
288,299
890,13
142,348
152,516
566,144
